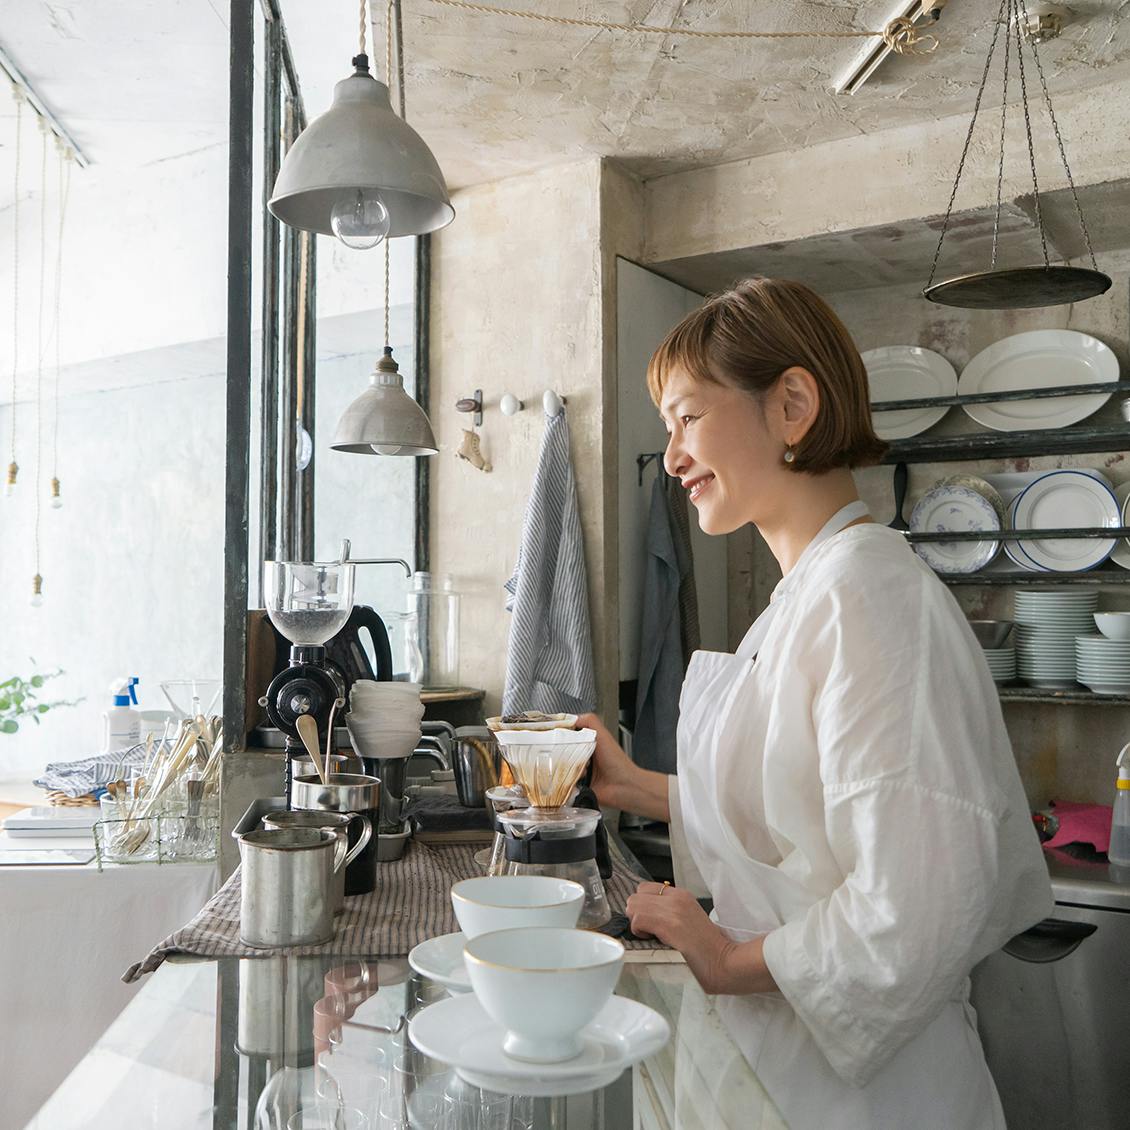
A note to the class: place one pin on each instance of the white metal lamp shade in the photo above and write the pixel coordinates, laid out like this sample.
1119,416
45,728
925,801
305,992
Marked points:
360,144
384,419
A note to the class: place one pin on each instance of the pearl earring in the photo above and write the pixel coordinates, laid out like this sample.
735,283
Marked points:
790,455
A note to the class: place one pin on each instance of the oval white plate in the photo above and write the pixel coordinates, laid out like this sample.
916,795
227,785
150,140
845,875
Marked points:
1038,359
944,508
1062,499
458,1031
441,960
903,372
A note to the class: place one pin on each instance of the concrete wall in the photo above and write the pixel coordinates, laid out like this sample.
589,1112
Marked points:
517,306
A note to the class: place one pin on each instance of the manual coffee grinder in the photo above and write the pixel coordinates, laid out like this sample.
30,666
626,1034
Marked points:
550,837
308,603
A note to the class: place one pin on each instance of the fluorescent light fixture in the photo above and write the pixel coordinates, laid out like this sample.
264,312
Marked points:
871,57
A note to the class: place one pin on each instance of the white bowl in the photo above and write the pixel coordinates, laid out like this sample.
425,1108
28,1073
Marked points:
543,986
381,744
508,902
1114,625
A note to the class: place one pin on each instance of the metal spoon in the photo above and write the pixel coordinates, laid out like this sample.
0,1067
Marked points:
308,732
900,523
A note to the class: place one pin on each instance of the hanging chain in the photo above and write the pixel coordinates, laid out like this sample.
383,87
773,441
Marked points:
900,35
1000,164
43,131
66,156
968,139
18,95
400,105
1018,16
1063,154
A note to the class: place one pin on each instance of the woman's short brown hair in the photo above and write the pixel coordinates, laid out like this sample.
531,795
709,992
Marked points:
749,335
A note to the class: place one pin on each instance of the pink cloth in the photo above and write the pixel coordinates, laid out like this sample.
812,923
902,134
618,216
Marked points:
1081,823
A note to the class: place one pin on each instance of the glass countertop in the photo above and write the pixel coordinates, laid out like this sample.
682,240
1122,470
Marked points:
260,1044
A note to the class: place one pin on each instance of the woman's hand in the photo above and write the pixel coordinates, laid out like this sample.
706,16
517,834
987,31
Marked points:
719,964
613,771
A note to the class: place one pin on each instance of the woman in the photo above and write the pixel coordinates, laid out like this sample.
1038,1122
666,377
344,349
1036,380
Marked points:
846,792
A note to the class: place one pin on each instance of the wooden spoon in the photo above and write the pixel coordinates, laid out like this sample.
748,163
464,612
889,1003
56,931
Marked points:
308,732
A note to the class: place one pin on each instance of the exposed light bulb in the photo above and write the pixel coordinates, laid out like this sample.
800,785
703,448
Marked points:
386,448
13,472
36,591
56,497
360,220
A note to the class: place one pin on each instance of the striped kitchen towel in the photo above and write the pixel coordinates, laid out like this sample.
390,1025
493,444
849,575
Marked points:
77,778
550,666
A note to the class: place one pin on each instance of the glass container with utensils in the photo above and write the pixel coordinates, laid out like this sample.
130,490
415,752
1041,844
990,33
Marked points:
548,837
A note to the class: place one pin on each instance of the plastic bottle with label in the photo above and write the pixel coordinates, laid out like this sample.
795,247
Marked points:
121,724
1119,850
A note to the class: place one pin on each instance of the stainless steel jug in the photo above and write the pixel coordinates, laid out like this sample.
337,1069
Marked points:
338,823
286,890
346,792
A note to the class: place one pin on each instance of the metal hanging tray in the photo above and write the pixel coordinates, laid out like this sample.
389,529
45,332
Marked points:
1022,288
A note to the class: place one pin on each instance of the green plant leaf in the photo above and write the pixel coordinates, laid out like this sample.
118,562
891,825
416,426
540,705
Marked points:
42,708
37,680
9,726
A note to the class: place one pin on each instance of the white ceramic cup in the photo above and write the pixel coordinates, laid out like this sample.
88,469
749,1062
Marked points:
543,985
508,902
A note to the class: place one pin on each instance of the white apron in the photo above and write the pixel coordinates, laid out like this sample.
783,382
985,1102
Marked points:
939,1078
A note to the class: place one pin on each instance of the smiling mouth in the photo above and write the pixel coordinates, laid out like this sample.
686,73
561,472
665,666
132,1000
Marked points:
697,486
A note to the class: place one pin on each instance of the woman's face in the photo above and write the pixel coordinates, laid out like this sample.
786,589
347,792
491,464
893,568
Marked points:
724,449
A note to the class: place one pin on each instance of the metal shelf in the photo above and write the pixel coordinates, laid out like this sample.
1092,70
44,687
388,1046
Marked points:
1001,397
1008,445
1026,577
1080,697
1057,533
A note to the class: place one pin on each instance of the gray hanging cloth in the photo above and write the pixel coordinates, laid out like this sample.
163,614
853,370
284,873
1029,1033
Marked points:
662,661
550,666
677,507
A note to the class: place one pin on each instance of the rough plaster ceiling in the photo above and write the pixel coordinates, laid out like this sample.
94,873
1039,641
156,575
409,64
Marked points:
895,254
139,82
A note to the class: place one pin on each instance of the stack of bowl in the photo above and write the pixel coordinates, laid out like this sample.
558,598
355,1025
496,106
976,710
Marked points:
993,636
1047,624
384,718
1102,663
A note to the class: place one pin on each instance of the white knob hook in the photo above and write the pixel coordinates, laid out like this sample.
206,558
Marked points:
510,404
552,403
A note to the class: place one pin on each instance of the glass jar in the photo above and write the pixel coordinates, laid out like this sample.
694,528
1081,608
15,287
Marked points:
436,631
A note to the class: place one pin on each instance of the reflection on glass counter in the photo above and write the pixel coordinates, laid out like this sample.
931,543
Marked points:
311,1043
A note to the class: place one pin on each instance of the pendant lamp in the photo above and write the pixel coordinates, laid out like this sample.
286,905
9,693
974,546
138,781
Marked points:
1022,287
384,419
359,171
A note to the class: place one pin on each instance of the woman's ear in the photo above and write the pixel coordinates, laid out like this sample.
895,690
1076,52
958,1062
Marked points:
800,399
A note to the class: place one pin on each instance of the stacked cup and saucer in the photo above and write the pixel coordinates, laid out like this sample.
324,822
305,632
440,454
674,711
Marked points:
533,1011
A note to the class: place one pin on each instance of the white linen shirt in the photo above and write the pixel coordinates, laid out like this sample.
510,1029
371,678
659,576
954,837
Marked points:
877,779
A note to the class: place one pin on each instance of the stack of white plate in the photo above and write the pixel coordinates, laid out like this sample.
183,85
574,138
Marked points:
1047,622
1002,663
384,718
1103,665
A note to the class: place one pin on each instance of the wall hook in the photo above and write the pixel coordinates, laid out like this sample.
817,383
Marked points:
510,404
552,403
472,404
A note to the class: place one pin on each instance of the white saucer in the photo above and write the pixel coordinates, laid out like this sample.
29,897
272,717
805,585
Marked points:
457,1031
540,1088
441,960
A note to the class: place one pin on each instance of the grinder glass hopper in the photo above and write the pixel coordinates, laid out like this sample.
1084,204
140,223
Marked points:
548,837
309,603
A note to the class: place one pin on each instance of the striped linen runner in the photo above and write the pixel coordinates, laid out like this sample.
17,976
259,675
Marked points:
412,903
550,664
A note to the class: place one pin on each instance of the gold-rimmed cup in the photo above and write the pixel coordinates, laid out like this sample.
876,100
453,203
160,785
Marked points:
543,985
506,902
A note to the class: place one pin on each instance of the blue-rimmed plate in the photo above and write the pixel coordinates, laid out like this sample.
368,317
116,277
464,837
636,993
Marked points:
1063,500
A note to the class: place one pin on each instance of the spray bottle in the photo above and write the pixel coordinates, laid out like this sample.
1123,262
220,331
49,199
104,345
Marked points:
1119,850
121,725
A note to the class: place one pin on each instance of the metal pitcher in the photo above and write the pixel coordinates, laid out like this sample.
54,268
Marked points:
286,890
338,823
346,792
475,758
